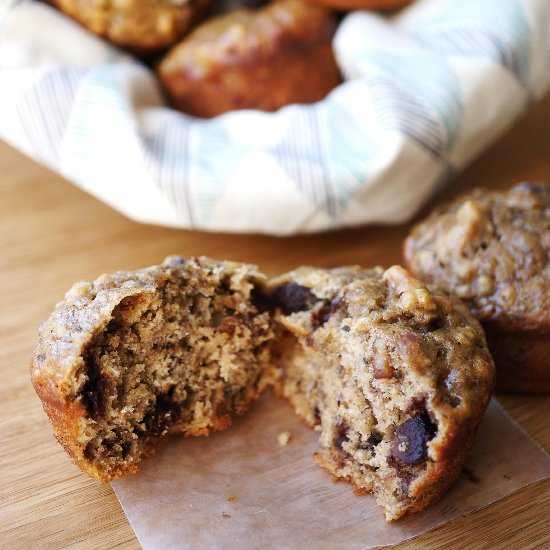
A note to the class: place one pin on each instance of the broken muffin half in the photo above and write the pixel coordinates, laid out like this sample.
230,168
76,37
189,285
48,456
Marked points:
133,356
396,376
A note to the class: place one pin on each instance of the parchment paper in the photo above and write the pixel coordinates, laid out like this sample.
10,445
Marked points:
241,489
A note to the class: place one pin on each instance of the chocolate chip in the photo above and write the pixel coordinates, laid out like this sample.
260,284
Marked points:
292,297
93,395
411,437
345,328
158,420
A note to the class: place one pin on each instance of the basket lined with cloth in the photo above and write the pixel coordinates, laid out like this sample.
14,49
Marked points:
425,91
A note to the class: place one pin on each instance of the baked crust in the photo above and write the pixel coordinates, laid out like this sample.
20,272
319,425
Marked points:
253,59
140,25
492,249
369,349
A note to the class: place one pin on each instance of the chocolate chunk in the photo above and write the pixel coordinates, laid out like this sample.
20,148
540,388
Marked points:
411,438
292,297
158,420
95,389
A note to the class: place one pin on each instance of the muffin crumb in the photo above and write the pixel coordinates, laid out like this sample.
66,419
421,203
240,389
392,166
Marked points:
284,438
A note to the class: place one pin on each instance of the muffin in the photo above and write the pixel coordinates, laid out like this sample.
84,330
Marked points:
253,59
140,25
396,375
132,357
492,249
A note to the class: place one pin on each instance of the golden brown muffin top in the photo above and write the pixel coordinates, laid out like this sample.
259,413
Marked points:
87,309
492,249
249,34
411,328
140,24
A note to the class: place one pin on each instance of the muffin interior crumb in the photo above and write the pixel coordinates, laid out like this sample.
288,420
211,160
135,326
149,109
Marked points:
180,359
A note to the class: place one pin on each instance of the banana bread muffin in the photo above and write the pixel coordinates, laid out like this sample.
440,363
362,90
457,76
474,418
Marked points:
131,357
140,25
395,374
492,249
253,59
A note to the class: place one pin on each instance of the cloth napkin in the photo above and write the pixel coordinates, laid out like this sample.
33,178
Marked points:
425,91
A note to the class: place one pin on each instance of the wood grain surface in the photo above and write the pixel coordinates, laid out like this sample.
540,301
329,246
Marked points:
52,234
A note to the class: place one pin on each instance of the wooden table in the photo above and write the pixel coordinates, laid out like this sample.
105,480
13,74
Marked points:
52,234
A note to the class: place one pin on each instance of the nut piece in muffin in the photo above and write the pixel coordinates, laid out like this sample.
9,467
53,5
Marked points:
492,249
396,376
132,357
140,25
253,59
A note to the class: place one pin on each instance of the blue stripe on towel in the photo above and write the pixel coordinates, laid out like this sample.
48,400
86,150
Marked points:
44,110
493,29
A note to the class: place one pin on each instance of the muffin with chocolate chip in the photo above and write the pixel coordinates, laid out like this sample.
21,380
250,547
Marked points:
396,375
492,249
263,59
140,25
134,356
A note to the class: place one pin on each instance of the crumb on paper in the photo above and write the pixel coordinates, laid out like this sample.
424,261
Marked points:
225,515
284,438
231,498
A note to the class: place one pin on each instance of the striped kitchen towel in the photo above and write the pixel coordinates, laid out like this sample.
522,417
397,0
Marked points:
425,91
